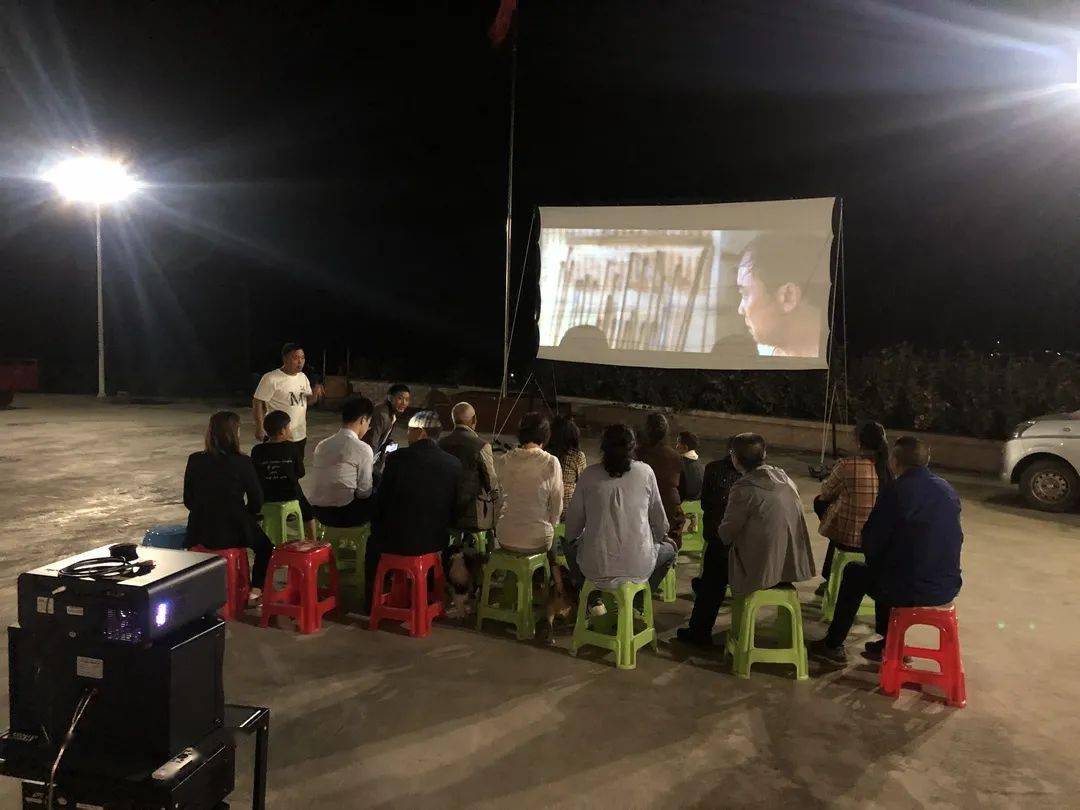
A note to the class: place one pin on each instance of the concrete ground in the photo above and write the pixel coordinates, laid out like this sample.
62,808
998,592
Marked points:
468,719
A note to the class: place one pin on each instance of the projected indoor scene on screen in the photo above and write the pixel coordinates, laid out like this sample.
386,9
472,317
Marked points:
737,286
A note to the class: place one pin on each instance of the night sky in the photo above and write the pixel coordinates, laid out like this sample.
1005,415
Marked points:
335,173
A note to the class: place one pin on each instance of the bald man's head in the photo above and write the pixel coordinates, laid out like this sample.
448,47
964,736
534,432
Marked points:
464,414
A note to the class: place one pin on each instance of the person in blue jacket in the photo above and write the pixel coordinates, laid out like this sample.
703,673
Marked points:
912,545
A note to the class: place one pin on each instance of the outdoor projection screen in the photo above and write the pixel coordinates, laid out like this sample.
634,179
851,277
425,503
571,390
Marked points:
732,286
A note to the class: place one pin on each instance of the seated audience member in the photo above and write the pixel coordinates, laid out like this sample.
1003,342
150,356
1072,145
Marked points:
912,545
716,485
565,445
531,498
479,483
417,500
764,533
279,463
850,492
383,420
222,495
341,470
693,469
667,466
616,527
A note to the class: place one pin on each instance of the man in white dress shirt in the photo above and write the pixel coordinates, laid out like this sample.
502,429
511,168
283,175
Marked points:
340,488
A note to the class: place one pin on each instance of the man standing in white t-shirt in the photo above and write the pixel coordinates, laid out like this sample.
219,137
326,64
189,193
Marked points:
286,389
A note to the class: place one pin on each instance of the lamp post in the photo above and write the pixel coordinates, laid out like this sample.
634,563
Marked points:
99,181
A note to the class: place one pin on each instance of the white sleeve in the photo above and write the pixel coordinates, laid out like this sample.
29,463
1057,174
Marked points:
265,389
305,383
365,459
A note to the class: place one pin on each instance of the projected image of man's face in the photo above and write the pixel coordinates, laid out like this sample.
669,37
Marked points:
669,297
760,310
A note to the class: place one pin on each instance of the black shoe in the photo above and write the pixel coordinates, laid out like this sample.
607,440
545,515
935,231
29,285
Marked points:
820,590
688,636
823,652
874,650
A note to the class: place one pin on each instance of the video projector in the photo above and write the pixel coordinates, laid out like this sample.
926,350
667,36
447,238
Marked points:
134,628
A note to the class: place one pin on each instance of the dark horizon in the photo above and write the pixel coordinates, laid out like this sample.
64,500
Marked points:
337,175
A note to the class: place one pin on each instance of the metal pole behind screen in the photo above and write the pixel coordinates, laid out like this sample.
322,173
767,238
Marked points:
100,307
509,214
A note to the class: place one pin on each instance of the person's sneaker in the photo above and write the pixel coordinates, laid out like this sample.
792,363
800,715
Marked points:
820,590
254,597
823,652
688,636
596,606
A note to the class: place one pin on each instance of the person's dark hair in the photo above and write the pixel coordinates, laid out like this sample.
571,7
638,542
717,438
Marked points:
911,452
354,409
749,449
289,348
275,422
223,434
688,440
778,259
534,427
617,445
398,388
872,438
656,428
565,436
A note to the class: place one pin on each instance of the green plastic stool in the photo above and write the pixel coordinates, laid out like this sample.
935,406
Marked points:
624,642
694,542
276,514
481,539
521,612
350,548
669,586
789,630
840,561
557,544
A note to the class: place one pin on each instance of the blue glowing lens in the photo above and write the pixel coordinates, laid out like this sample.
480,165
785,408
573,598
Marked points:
161,615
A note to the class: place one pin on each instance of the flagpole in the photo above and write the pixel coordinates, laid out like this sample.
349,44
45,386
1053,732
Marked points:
509,211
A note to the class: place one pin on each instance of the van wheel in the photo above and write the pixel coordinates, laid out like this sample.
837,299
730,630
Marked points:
1052,486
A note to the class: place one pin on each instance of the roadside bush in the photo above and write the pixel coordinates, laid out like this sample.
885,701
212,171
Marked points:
964,393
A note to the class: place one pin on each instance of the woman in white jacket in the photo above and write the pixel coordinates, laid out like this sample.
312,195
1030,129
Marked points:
531,490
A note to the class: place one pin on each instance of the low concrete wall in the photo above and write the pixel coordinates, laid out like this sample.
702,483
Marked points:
954,452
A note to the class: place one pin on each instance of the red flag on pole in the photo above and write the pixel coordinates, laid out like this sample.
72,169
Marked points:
500,27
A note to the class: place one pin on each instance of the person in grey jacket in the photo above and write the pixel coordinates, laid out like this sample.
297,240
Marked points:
764,535
616,526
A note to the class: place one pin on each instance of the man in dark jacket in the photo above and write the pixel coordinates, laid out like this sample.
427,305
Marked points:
417,500
479,484
667,465
693,469
912,545
382,423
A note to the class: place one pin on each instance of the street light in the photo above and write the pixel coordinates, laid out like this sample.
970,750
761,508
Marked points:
99,181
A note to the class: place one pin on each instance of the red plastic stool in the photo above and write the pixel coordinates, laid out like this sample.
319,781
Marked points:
301,598
402,603
895,673
237,579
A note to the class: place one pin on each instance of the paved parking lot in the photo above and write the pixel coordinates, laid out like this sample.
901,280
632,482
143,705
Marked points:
464,719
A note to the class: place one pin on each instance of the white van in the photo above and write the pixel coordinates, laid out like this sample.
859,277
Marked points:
1043,457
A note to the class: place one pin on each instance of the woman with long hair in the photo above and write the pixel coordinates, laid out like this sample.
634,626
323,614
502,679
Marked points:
565,445
850,492
616,527
223,496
